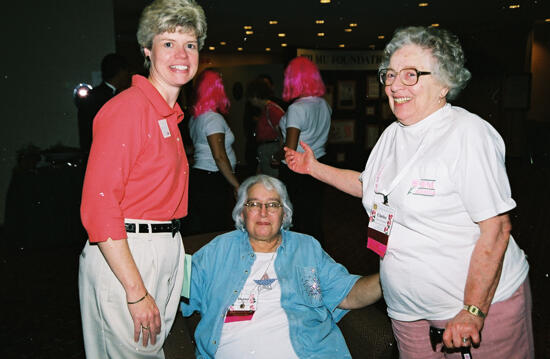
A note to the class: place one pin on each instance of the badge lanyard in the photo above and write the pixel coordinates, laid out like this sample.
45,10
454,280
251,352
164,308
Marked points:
382,214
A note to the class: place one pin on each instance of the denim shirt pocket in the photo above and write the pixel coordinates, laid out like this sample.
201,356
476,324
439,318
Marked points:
310,286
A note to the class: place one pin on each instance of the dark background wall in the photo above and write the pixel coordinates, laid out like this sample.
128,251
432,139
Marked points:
51,46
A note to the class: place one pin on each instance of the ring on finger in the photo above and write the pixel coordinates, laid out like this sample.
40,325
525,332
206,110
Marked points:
144,327
464,340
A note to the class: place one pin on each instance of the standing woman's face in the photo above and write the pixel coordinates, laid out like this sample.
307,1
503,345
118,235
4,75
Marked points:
174,59
411,104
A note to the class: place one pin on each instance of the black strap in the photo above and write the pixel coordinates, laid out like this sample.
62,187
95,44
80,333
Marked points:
173,227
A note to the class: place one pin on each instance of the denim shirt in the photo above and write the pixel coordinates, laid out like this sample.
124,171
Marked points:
312,286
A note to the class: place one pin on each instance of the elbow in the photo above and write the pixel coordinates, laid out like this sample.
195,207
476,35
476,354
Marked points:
505,228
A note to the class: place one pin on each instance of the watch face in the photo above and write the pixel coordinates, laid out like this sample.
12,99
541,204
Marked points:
474,310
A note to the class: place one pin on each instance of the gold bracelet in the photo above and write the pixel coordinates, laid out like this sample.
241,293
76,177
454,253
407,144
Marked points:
140,299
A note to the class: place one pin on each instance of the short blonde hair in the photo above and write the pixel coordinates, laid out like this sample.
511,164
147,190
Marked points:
165,16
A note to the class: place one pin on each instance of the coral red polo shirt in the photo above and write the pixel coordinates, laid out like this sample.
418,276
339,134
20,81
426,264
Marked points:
137,166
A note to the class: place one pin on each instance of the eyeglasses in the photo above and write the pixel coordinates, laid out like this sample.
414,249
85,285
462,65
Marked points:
256,207
408,76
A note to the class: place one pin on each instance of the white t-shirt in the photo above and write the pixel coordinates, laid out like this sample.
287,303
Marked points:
457,178
311,115
266,335
200,128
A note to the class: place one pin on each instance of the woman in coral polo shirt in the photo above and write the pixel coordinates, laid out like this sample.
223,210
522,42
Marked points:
135,191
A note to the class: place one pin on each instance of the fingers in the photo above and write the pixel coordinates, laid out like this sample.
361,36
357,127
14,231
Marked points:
460,338
145,334
147,323
137,331
305,146
148,332
475,338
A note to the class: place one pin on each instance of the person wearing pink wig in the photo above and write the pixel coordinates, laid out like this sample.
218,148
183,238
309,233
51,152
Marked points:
212,178
307,120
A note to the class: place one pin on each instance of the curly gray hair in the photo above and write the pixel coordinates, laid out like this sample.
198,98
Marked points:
166,15
270,183
446,49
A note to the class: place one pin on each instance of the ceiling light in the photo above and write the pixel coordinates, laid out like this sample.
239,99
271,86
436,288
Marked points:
514,6
281,34
325,1
347,30
319,21
268,49
249,32
371,46
342,45
353,24
320,34
273,22
547,20
239,49
284,44
422,4
247,27
211,48
380,37
434,25
223,43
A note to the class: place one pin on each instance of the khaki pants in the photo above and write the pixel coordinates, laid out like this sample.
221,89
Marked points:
106,322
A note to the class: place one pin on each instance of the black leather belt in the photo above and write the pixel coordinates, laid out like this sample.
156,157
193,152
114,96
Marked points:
173,227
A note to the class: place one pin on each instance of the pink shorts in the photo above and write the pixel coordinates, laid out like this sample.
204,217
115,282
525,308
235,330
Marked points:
507,332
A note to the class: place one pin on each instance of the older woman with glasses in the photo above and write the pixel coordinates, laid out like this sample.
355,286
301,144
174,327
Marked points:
267,292
436,190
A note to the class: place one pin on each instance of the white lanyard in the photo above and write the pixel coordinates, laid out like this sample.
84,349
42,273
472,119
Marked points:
385,192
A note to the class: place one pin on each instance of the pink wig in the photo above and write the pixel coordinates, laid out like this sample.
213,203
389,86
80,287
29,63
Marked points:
210,94
302,78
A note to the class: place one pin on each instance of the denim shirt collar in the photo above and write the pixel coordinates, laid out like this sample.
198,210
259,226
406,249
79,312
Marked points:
246,247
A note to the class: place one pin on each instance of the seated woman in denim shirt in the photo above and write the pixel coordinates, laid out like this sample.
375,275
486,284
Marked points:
266,292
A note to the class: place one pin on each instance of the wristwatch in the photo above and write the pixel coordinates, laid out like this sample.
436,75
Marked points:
472,309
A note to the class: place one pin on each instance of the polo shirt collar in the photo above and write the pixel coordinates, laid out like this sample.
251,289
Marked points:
156,98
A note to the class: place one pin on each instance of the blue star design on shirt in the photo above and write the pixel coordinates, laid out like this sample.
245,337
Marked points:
265,281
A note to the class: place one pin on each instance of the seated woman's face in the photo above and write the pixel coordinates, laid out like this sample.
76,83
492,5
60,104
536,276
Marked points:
411,104
263,224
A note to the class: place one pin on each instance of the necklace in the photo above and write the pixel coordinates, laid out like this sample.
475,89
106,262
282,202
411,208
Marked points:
264,283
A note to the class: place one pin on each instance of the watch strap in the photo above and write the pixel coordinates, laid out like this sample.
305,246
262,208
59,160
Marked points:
472,309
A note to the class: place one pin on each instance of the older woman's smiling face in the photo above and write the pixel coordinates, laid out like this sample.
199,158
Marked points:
411,104
262,225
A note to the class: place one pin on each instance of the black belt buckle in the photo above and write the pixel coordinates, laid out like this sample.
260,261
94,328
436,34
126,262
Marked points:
436,337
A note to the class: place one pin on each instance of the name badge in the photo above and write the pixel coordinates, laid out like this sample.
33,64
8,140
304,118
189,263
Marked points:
380,225
164,128
242,310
